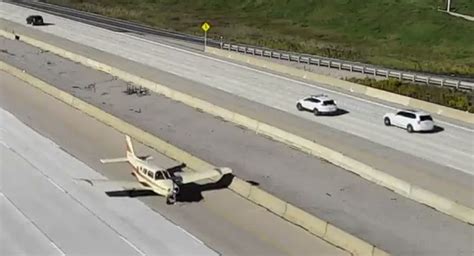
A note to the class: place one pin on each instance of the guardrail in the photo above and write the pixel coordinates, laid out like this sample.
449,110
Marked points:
116,24
351,67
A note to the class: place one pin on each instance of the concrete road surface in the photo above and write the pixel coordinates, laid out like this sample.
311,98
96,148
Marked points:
222,220
46,212
364,118
388,220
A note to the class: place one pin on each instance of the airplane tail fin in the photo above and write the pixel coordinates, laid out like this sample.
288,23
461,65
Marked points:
129,145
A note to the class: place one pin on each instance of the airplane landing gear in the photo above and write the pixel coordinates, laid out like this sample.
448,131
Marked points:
171,199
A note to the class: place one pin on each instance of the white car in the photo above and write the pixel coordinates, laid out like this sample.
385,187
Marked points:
411,120
318,104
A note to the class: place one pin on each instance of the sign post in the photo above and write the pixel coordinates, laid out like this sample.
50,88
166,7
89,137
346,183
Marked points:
205,27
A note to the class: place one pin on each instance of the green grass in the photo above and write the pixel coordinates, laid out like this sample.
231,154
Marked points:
402,34
463,6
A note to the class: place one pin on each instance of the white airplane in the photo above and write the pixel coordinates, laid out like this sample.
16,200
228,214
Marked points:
164,182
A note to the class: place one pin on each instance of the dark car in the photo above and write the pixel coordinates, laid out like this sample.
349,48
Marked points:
35,20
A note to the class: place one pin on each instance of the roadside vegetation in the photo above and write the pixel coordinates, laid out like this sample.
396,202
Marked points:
452,98
463,7
402,34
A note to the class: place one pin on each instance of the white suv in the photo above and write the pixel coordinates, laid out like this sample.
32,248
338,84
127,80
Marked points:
318,104
411,120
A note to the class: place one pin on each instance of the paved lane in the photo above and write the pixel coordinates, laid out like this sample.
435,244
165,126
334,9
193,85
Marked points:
20,236
369,211
38,180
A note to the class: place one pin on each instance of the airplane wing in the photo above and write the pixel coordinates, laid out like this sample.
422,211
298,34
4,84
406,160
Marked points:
189,177
127,185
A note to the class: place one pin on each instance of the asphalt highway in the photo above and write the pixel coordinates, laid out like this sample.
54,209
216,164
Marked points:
388,220
51,212
363,118
46,211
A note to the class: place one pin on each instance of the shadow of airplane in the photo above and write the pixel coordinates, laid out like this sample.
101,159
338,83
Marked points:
44,24
131,193
192,192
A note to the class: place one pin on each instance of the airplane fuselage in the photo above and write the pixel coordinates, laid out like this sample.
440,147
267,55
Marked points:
145,174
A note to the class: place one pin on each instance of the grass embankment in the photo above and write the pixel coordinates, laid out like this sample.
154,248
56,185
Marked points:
463,7
402,34
452,98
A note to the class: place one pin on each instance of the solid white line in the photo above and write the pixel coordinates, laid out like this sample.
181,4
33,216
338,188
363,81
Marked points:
280,77
4,144
55,184
191,235
34,224
57,248
132,245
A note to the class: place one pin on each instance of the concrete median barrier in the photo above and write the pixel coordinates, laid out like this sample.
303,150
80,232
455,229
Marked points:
387,96
267,200
345,240
305,145
353,87
442,110
378,252
241,187
291,213
427,197
306,220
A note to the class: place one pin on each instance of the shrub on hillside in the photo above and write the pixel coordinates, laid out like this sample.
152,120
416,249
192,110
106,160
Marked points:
452,98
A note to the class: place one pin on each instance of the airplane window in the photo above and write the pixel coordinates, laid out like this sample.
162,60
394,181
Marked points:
150,174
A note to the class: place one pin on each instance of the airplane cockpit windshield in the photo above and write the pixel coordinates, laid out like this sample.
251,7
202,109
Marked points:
162,175
159,175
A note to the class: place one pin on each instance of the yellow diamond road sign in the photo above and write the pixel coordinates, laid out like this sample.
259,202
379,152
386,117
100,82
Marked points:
205,26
